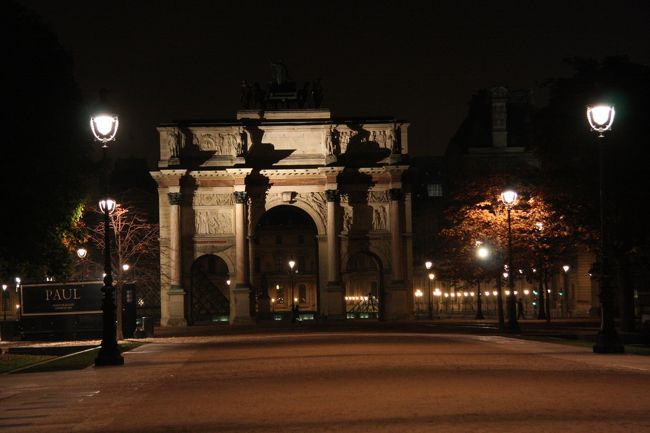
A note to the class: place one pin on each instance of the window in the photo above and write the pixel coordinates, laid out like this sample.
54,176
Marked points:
280,264
302,294
301,239
258,264
278,240
434,190
301,264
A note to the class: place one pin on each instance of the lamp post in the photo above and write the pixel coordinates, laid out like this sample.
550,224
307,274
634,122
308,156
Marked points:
509,198
292,263
482,252
601,118
4,302
104,127
565,292
428,265
82,253
431,278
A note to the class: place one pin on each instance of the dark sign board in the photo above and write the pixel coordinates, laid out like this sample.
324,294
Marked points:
56,299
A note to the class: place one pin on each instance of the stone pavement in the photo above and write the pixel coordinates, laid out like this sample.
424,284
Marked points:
357,381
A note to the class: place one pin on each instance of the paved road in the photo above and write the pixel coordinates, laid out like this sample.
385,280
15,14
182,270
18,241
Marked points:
354,381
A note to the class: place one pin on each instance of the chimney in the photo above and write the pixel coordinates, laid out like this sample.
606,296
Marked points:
499,99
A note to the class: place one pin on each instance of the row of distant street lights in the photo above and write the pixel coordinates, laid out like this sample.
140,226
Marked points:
600,119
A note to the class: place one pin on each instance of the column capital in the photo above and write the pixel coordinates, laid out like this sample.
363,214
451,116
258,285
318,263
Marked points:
332,195
174,198
395,194
240,197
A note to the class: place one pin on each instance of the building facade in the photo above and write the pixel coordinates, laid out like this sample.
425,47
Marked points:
228,189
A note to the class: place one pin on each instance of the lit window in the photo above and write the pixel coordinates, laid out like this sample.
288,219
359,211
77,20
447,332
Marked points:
434,190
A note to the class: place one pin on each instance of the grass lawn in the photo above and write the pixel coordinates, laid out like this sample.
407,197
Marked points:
10,362
75,361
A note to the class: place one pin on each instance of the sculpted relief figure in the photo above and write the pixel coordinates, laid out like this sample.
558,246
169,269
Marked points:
344,139
212,222
201,222
347,218
329,141
174,138
391,140
379,218
240,142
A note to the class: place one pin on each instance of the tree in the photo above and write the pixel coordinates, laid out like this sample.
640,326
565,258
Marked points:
134,242
42,168
541,231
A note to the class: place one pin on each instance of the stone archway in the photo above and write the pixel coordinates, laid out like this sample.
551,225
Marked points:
364,286
284,233
209,293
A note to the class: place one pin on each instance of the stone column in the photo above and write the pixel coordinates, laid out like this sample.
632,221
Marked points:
396,233
240,291
176,294
335,292
396,305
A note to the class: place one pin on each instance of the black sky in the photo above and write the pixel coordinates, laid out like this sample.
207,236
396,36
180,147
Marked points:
421,61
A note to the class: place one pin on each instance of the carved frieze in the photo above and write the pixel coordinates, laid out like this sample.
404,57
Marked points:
221,143
213,200
213,222
345,135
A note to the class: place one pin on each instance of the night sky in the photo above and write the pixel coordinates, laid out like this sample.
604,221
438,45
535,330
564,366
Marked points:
420,61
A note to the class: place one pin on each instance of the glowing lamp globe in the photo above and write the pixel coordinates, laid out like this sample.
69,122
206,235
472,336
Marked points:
509,197
107,205
601,118
104,127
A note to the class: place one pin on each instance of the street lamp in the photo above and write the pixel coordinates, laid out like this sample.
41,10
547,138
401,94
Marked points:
428,265
565,294
418,301
82,253
601,118
509,198
292,263
104,128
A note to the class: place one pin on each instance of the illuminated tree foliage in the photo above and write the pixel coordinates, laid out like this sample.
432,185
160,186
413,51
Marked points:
475,213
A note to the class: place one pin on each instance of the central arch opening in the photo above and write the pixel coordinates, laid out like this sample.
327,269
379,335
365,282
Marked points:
286,234
364,291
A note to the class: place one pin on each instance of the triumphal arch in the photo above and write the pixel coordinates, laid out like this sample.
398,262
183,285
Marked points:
241,200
